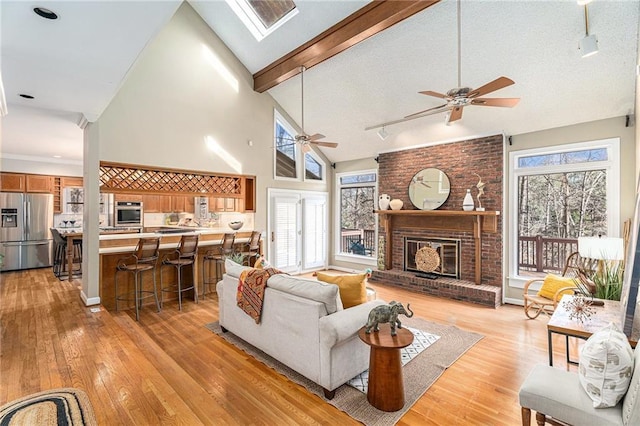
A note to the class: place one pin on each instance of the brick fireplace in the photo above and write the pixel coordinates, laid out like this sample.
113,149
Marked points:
479,278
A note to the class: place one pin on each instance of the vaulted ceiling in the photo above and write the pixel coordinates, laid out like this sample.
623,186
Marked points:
74,66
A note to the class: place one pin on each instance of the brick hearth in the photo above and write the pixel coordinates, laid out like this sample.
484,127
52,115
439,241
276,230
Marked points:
486,295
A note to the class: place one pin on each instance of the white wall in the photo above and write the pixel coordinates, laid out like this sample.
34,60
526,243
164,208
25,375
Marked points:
174,98
44,167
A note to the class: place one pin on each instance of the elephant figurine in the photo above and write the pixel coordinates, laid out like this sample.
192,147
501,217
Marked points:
387,313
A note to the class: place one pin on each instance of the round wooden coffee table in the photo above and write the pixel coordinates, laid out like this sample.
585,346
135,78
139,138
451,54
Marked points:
386,387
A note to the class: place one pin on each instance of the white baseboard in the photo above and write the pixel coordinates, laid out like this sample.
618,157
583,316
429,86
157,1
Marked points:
512,301
89,301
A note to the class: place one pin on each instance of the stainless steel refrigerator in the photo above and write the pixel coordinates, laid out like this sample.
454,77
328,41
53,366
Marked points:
25,236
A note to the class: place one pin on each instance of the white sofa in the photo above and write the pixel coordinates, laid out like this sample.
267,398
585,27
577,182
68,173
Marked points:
303,326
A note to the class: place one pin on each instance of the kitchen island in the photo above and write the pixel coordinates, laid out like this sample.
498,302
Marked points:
114,246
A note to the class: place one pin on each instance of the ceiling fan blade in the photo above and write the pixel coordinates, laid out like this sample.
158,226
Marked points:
316,137
435,94
496,84
496,102
427,110
327,144
402,120
456,114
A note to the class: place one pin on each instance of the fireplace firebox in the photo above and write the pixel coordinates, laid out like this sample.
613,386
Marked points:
447,248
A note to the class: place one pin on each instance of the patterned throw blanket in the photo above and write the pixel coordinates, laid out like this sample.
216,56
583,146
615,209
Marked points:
250,294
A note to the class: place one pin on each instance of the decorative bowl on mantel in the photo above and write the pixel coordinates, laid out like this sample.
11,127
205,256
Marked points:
236,225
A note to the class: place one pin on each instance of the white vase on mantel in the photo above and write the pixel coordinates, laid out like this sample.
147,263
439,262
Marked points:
383,201
467,203
396,204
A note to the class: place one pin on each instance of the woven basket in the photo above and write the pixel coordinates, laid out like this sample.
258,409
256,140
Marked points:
427,259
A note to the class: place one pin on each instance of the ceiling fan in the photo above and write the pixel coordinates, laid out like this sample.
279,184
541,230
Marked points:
460,97
303,138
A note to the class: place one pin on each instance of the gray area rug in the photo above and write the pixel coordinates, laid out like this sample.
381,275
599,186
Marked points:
419,374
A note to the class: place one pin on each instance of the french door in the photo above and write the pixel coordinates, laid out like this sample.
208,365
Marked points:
297,230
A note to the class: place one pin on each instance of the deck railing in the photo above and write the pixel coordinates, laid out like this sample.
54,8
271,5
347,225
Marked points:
358,241
543,254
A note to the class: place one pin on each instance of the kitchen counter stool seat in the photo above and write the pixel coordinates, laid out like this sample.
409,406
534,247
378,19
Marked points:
184,255
145,258
216,255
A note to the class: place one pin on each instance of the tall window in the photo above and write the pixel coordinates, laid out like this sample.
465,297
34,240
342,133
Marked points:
286,150
357,192
262,17
290,160
562,193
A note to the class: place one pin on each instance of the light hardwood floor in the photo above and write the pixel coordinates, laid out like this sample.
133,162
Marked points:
170,369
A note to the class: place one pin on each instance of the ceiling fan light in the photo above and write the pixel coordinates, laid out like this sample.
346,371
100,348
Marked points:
589,45
383,134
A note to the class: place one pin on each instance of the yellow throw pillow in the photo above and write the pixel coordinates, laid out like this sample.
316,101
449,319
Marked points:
261,263
352,287
553,283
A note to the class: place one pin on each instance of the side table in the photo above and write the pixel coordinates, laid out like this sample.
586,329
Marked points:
386,386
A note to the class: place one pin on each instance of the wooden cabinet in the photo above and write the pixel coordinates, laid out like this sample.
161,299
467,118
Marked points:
222,204
249,192
66,181
127,197
12,182
156,203
182,203
39,184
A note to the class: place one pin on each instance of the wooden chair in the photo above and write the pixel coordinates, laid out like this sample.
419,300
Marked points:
252,249
535,305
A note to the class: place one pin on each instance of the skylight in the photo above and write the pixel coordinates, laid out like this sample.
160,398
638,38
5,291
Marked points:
262,17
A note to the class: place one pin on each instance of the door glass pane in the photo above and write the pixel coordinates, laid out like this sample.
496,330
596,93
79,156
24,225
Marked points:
286,230
314,232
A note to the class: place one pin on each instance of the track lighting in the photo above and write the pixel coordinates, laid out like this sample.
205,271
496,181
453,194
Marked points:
383,134
589,44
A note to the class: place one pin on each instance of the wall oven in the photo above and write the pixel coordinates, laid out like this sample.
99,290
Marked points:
128,214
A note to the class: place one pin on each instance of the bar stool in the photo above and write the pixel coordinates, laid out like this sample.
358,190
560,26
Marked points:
144,259
217,255
60,254
184,255
252,248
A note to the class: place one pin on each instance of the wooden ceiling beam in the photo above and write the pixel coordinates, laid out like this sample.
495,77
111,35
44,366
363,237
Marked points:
375,17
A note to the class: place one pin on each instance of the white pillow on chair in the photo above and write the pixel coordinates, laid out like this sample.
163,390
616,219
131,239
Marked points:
606,365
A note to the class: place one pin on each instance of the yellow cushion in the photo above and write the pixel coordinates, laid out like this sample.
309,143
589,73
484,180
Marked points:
352,287
553,283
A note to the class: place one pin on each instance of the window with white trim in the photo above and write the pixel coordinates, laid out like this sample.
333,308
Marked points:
291,161
558,194
356,221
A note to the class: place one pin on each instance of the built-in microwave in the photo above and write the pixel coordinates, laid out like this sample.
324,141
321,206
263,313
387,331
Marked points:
128,214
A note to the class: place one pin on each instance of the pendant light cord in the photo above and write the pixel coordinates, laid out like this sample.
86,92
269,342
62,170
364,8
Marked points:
302,93
460,44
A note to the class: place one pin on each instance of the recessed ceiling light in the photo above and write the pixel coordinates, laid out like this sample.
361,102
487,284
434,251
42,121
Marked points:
23,95
45,13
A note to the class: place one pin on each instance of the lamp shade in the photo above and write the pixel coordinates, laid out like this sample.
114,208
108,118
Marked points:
604,248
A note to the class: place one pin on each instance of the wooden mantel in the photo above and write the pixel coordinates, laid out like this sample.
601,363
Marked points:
440,220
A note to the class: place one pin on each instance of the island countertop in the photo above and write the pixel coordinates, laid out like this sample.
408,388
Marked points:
169,237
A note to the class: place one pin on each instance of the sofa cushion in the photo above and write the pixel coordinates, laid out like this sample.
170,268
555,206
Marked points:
553,283
352,287
606,365
234,269
309,289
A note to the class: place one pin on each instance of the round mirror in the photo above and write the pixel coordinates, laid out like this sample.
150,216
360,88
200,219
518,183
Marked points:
429,189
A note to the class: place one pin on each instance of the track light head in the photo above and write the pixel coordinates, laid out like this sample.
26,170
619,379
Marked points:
383,134
589,45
